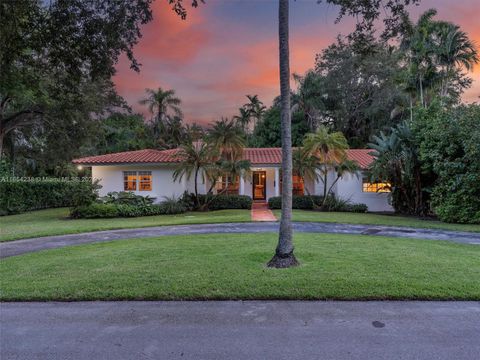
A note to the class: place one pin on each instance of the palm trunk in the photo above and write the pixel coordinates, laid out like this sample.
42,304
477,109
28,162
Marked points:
284,257
421,91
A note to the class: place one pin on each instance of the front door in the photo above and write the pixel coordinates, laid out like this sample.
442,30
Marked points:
259,189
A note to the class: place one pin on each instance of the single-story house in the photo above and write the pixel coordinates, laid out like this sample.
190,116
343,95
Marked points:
150,172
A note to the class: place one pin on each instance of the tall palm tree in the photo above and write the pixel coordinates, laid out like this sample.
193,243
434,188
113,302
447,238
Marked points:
227,137
284,256
255,109
308,97
162,104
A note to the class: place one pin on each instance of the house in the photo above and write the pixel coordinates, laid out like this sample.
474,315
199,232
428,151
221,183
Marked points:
150,172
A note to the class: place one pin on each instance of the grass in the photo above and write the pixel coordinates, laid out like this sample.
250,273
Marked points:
217,267
56,222
376,219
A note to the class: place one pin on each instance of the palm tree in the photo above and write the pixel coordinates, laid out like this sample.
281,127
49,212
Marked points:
284,256
255,109
195,158
243,118
227,137
329,148
305,166
456,51
162,104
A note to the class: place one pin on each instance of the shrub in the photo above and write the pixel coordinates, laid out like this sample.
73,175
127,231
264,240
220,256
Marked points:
311,202
172,206
303,202
95,210
18,195
126,198
221,202
216,202
109,210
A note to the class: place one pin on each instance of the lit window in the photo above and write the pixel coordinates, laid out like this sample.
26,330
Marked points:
129,180
145,180
226,185
298,185
375,187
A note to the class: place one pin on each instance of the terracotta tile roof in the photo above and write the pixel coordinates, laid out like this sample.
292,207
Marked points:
257,156
130,157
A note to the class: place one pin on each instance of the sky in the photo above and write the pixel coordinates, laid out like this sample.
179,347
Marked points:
227,49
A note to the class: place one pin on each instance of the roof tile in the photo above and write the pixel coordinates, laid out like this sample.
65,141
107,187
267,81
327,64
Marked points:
257,156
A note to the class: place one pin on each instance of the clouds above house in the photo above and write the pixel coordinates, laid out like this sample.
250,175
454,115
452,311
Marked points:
228,49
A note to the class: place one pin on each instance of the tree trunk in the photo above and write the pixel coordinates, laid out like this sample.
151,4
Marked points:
284,256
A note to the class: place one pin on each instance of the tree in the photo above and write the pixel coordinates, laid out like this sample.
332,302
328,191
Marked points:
255,109
227,137
267,132
330,149
195,159
359,94
309,98
165,108
53,51
243,118
397,165
284,256
305,165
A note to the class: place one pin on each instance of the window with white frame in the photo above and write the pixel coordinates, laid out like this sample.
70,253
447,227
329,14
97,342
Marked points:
137,180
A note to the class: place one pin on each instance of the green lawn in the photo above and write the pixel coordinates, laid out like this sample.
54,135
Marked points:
376,219
56,222
220,267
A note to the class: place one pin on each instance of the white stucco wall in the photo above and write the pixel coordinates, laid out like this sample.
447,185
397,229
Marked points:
350,188
111,179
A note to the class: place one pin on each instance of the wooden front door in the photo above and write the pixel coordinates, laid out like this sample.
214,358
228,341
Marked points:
259,182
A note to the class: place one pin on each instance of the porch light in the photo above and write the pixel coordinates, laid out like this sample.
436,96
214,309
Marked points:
80,167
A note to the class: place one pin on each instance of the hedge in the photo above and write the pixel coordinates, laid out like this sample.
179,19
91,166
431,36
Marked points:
303,202
18,195
217,202
111,210
310,202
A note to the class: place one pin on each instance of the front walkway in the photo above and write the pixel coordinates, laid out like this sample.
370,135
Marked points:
241,330
19,247
261,212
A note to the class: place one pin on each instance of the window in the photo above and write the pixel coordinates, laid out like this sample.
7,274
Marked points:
144,179
226,185
375,187
129,180
298,186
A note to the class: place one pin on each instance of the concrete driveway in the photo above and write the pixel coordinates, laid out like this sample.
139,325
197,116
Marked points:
18,247
241,330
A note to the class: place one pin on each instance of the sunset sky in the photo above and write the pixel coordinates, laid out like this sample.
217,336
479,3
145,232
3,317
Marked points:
227,49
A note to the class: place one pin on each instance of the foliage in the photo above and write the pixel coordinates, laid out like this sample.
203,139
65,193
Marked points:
449,145
227,137
56,64
217,202
267,131
397,163
126,198
358,93
129,208
120,132
19,195
315,202
166,125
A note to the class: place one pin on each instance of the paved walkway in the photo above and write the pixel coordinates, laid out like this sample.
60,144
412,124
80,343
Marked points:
19,247
261,212
241,330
